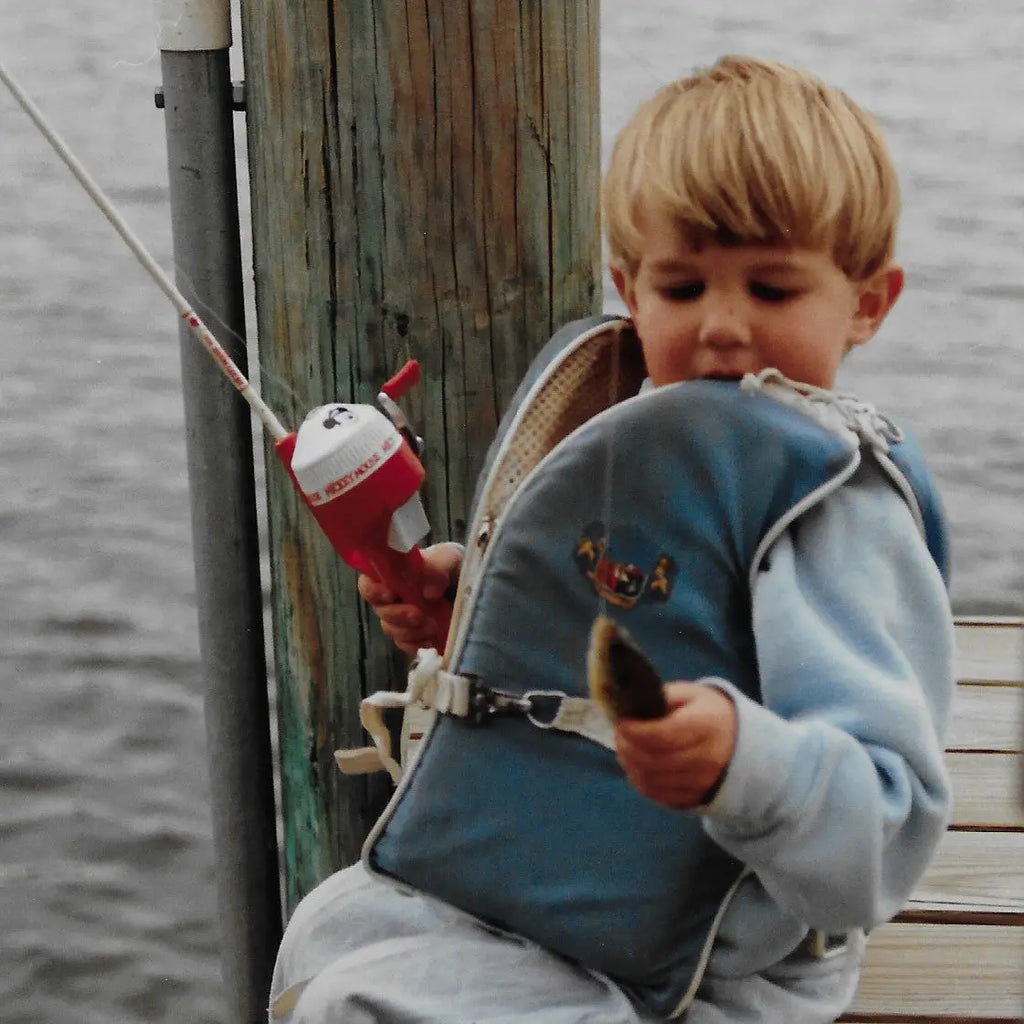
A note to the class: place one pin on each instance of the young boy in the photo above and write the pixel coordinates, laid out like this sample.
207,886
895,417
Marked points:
774,547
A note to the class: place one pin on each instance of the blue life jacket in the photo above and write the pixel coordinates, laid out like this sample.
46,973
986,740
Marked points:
657,511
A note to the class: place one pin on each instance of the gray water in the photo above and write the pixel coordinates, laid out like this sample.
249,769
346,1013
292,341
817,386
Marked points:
106,859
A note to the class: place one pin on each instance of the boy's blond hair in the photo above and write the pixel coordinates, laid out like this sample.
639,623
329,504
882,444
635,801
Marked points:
755,152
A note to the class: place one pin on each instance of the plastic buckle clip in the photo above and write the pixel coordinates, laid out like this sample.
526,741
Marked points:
485,701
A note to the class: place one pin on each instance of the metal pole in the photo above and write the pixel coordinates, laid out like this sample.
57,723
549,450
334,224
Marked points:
197,102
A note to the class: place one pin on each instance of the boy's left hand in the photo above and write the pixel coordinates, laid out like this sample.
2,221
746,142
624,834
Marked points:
679,760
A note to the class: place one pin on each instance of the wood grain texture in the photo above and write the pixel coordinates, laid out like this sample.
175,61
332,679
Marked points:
972,970
975,870
986,717
955,955
424,179
986,791
930,1018
990,649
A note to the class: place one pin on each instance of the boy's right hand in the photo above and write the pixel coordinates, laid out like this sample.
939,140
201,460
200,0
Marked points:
405,624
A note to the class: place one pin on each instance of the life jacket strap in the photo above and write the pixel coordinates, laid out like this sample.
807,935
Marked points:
432,689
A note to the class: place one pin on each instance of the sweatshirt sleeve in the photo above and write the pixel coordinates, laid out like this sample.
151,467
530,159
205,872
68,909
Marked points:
837,794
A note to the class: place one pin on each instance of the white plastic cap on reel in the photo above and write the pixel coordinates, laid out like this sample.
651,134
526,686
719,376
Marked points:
338,445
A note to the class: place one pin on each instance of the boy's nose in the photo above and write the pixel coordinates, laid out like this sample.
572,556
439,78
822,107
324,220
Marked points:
723,326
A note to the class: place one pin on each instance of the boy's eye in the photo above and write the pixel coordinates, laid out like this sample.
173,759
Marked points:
768,292
683,292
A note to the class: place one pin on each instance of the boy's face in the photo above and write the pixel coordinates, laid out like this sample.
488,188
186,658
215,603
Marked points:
725,311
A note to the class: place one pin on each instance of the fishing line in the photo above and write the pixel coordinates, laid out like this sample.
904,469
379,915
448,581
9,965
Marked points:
225,330
609,459
639,63
228,367
123,62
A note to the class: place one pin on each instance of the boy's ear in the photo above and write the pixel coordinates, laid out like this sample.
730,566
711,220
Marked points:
624,286
875,297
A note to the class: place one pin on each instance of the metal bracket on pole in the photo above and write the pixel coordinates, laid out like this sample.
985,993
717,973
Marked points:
237,96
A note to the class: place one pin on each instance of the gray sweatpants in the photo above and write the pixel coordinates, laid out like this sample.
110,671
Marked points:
360,951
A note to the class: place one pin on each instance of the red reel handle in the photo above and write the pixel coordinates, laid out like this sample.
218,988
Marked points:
406,378
400,571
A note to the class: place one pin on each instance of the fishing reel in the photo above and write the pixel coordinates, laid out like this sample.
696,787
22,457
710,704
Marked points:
359,473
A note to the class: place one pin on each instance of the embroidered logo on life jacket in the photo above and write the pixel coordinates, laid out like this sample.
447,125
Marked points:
634,571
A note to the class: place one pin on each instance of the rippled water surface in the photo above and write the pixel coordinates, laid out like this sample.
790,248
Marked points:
106,863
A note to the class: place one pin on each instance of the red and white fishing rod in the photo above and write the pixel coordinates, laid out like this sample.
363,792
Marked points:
354,467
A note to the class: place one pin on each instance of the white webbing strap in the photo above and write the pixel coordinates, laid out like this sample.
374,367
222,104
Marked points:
428,686
432,687
579,715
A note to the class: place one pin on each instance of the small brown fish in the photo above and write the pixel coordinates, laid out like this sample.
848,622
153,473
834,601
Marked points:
621,678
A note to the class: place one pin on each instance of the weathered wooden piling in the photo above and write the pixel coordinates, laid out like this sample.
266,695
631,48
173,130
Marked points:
424,183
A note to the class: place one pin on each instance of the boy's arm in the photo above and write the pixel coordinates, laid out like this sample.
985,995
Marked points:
837,795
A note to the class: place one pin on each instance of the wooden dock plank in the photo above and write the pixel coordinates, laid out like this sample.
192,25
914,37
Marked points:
975,871
931,1018
986,717
986,791
990,650
955,954
970,970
